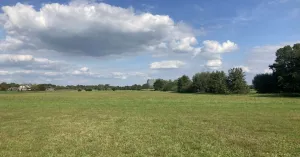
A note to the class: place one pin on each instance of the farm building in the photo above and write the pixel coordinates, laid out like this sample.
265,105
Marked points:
24,88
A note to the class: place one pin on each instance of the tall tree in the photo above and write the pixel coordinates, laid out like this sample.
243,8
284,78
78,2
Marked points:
200,82
159,84
217,83
236,81
287,68
184,84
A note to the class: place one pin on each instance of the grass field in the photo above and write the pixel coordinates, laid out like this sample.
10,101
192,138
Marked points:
131,123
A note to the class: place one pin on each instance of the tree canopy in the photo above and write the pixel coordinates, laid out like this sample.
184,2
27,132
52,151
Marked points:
286,72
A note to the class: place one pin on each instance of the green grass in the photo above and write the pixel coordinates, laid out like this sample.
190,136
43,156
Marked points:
147,123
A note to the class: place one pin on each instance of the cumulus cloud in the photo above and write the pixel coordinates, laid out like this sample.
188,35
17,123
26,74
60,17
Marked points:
214,64
171,64
212,51
211,46
92,29
82,28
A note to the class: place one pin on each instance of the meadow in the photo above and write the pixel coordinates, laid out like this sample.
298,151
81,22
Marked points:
147,123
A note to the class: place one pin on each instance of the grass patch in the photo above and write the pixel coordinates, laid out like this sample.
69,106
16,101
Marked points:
132,123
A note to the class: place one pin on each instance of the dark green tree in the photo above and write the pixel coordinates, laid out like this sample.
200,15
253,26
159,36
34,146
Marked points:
217,83
200,82
145,86
4,86
184,84
170,86
236,81
159,84
287,68
265,83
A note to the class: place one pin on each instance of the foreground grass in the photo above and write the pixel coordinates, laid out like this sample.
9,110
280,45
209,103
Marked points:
128,123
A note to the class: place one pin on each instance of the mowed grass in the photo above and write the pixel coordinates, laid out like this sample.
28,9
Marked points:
147,123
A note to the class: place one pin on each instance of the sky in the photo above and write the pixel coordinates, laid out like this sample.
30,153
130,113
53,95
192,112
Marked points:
125,42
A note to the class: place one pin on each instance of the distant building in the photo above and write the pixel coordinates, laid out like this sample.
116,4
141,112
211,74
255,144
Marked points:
13,89
150,82
24,88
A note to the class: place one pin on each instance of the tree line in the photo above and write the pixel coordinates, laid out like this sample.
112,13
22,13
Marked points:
216,82
208,82
101,87
285,76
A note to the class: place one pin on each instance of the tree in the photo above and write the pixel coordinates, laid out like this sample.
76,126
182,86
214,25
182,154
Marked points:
106,87
287,68
4,86
159,84
170,86
217,83
145,86
236,81
265,83
184,84
200,82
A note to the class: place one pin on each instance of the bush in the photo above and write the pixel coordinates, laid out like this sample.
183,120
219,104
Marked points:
88,89
79,90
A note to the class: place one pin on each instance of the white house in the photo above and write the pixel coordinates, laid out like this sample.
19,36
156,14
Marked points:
24,88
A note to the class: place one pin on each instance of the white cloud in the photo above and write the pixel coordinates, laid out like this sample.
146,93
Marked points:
212,51
15,58
244,68
211,46
84,69
171,64
4,72
214,64
84,28
92,29
30,62
122,75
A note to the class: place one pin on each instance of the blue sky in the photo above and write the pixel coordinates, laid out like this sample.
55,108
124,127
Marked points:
124,42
